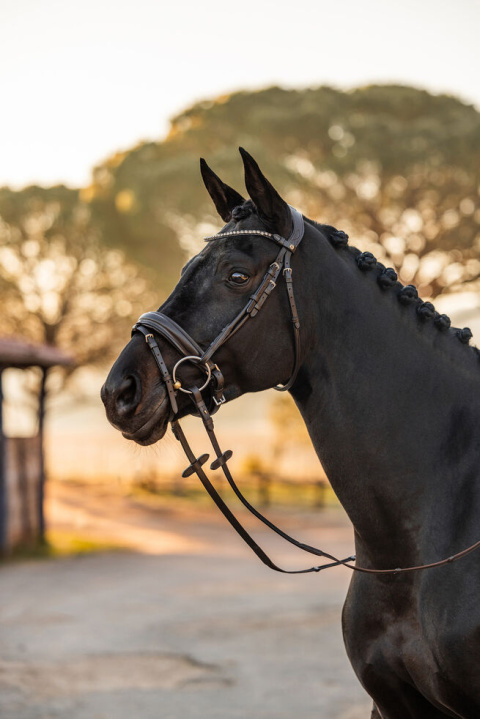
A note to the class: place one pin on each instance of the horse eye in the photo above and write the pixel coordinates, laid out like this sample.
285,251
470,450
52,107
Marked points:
238,278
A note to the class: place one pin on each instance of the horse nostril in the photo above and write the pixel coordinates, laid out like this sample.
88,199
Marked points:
128,395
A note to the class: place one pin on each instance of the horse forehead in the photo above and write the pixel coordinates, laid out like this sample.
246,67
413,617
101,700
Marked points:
199,267
220,250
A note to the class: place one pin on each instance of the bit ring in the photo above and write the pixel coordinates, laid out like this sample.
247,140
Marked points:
192,358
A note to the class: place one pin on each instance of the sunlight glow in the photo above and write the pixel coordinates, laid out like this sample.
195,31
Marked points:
82,81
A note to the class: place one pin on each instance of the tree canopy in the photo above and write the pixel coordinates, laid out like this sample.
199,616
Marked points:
395,167
58,283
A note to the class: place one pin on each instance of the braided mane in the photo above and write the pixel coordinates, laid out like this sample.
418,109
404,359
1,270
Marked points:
387,278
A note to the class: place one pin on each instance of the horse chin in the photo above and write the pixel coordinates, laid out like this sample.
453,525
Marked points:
153,429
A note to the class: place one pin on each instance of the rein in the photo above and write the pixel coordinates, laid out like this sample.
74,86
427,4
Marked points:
192,352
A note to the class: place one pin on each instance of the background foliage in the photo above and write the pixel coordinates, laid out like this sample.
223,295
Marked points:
59,284
395,167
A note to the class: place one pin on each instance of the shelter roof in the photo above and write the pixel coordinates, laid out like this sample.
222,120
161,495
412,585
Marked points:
16,352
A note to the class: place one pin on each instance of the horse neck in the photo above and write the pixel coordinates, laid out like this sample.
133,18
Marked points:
387,402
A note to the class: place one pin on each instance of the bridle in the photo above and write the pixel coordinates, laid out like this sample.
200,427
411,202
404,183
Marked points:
186,345
214,382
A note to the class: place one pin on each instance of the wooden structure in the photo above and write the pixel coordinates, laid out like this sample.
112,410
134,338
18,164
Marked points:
22,465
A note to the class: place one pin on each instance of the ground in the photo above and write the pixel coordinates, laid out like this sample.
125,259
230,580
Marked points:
184,623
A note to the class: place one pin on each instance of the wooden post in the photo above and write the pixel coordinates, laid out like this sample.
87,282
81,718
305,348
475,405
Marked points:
3,480
41,482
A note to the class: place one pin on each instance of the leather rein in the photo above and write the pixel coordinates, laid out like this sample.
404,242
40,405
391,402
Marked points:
192,352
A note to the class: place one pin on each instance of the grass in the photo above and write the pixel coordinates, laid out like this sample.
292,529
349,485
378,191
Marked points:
62,543
294,495
65,543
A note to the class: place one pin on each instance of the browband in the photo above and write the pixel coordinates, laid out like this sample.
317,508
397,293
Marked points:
290,243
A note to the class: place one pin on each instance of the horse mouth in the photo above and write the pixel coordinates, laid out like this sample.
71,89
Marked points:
153,428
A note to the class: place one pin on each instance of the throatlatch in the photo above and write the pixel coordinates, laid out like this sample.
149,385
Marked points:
167,328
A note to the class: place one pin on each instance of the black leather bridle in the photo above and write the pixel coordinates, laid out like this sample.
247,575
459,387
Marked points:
186,345
214,382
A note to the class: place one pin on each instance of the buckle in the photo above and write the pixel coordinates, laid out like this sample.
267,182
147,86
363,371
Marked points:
220,401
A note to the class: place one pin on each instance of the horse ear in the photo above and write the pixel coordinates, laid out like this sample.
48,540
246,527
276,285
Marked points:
224,197
270,206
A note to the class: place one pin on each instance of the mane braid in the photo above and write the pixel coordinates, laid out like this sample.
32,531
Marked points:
387,278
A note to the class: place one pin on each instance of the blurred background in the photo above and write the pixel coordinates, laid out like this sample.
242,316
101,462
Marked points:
364,116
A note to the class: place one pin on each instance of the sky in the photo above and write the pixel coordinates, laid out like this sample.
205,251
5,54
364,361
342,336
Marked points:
81,80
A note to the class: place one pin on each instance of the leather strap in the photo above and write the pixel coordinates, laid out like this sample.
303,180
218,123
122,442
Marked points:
253,306
168,328
298,228
222,458
166,376
220,455
288,274
196,466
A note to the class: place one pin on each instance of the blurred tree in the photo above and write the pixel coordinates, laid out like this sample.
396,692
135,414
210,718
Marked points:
289,430
395,167
58,283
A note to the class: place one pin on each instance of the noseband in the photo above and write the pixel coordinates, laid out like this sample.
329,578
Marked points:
178,338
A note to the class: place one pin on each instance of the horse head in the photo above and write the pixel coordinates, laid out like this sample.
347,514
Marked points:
231,273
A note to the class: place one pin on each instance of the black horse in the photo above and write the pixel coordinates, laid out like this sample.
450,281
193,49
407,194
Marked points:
390,394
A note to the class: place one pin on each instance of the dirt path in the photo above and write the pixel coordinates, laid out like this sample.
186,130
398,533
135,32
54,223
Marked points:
189,626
